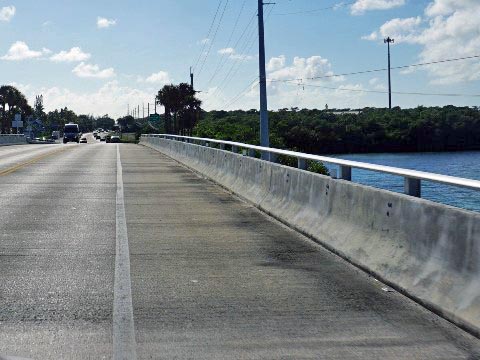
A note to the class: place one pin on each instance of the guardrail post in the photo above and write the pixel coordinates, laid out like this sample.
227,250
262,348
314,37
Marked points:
251,152
235,149
272,157
222,146
413,187
302,164
345,172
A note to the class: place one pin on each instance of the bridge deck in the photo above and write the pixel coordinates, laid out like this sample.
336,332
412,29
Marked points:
211,277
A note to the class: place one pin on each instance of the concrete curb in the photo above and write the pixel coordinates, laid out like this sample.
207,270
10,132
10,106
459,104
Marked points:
428,251
7,139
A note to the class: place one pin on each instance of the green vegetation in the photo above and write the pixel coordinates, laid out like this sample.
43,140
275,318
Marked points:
446,128
328,131
181,108
12,102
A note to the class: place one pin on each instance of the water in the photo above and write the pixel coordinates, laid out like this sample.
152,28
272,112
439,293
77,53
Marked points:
460,164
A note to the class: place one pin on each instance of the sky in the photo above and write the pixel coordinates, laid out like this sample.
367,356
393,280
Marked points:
107,57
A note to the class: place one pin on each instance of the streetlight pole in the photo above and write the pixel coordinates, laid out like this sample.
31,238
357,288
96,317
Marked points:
264,131
387,41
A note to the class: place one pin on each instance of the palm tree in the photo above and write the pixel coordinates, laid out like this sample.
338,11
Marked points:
180,101
165,98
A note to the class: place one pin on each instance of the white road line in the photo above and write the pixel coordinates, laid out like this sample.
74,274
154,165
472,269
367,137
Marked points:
124,345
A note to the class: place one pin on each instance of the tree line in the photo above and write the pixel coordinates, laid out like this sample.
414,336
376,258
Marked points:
328,131
420,129
12,102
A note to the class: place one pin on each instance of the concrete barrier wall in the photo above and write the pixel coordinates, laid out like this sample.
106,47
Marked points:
7,139
427,250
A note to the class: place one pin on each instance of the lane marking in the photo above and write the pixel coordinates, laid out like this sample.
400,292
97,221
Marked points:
31,161
124,344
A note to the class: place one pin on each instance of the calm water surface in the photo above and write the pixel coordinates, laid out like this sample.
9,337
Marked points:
460,164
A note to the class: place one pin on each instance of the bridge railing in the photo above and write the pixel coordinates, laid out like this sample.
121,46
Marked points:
11,139
412,178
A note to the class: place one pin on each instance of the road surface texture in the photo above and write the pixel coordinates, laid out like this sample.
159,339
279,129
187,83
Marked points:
210,277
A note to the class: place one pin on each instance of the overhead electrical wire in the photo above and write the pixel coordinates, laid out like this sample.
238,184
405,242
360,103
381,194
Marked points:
336,6
224,58
243,47
247,47
232,101
393,92
377,70
207,38
214,37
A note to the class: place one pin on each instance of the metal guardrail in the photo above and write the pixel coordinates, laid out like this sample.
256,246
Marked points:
412,178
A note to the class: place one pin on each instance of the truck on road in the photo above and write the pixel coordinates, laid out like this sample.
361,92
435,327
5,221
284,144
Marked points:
71,132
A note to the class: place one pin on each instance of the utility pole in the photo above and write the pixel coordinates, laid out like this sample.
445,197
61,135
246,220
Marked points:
264,132
148,112
138,112
191,77
128,109
387,41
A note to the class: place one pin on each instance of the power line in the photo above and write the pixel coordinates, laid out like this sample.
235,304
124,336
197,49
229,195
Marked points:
246,48
207,38
237,97
393,92
248,40
214,36
223,59
377,70
336,6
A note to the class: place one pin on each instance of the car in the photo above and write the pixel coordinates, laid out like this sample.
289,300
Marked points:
108,138
102,137
71,133
115,139
83,140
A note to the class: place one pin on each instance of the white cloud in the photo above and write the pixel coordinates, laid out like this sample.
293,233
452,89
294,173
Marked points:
377,84
276,63
204,41
20,51
372,37
103,23
75,54
93,71
291,94
361,6
446,7
398,29
227,51
232,54
7,13
301,68
160,77
111,98
449,29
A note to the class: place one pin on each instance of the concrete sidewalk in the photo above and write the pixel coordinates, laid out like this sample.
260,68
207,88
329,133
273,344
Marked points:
212,277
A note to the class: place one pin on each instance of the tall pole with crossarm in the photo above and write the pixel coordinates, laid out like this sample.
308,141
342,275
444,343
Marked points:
387,41
264,131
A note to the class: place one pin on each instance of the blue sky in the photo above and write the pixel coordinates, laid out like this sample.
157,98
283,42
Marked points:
99,57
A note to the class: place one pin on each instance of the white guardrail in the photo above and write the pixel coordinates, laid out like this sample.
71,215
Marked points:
412,178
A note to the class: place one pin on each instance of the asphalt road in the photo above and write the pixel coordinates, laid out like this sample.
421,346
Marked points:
110,249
